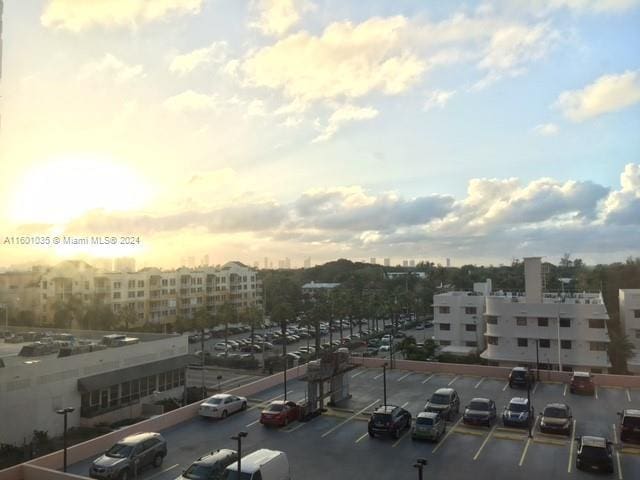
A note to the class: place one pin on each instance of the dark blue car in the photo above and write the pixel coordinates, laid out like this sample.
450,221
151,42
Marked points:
518,413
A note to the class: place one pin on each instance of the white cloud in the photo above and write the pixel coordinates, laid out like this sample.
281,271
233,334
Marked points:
256,108
110,66
343,115
188,62
75,16
623,206
276,17
546,129
190,101
438,98
608,93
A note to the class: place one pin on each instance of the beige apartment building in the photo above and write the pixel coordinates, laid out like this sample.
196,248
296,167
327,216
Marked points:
629,302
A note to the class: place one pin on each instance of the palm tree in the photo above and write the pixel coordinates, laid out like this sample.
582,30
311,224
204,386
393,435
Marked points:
252,316
620,350
127,316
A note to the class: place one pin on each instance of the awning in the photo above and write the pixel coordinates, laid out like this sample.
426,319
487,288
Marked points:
114,377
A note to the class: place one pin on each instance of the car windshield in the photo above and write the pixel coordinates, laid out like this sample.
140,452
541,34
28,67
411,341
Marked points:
555,412
381,417
424,421
275,407
631,422
119,450
214,401
518,407
594,452
479,406
439,398
519,373
198,472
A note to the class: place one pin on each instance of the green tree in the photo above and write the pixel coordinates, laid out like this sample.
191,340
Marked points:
620,351
225,315
253,317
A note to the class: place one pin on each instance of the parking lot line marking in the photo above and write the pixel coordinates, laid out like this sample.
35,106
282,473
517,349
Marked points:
475,457
431,376
377,376
395,444
535,387
300,425
248,425
435,449
404,376
595,391
334,428
615,436
564,392
362,437
453,381
164,471
628,395
505,386
404,404
479,383
357,373
571,443
619,466
524,452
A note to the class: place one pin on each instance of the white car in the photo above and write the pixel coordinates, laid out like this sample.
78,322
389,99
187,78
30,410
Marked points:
222,346
221,405
383,348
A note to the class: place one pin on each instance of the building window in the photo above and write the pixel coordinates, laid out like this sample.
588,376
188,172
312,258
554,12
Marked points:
140,283
470,344
131,284
444,310
445,343
636,314
544,343
116,294
114,397
522,342
141,293
596,323
521,321
125,392
492,320
117,285
444,326
565,344
598,346
565,322
543,322
470,310
131,294
470,327
637,333
492,340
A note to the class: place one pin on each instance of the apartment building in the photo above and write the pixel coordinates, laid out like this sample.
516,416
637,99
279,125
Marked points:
458,319
557,331
629,302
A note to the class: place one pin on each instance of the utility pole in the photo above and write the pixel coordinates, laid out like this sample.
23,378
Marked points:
384,383
239,438
65,411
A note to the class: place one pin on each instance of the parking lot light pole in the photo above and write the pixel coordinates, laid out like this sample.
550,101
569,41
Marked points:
239,438
530,417
384,382
537,362
65,411
420,463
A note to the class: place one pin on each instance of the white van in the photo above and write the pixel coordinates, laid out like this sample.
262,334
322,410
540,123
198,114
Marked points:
262,464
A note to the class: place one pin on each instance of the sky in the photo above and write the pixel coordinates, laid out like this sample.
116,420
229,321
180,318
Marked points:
475,131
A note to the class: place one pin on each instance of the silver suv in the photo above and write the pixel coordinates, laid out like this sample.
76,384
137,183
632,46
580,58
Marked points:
129,456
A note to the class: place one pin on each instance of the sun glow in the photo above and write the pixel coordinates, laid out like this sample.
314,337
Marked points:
63,188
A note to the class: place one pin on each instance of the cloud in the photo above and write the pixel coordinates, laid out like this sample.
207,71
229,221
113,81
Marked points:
623,206
343,115
190,101
110,66
188,62
609,93
76,16
276,17
438,98
546,129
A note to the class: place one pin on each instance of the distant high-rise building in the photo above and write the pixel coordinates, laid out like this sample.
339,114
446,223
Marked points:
387,262
373,260
448,262
405,263
287,263
256,264
124,264
412,263
307,262
266,262
205,261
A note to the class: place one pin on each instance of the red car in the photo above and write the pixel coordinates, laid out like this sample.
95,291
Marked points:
280,413
582,382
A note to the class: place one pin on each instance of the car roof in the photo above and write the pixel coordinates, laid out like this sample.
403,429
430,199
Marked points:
582,374
564,406
519,400
480,400
140,437
220,395
445,391
631,412
215,457
594,441
385,409
432,415
519,369
255,460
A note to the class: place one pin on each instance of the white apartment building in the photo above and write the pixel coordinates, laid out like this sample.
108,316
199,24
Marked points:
102,386
557,331
458,319
629,301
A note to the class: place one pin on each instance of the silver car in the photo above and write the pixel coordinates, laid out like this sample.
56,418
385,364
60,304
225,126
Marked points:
129,456
429,426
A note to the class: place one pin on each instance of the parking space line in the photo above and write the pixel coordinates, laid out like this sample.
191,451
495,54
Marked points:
401,438
595,391
505,386
404,376
479,383
535,387
564,392
435,449
453,381
334,428
619,466
300,425
357,373
615,436
404,404
571,443
475,457
361,437
248,425
163,471
524,452
628,395
431,376
377,376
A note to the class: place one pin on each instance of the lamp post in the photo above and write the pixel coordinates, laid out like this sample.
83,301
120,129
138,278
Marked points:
239,438
65,411
384,382
537,362
420,463
529,404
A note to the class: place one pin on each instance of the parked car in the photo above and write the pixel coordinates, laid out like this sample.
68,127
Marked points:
594,453
521,377
384,348
556,418
210,466
629,425
480,411
428,425
262,464
390,420
518,413
279,413
444,401
130,455
221,405
420,326
582,382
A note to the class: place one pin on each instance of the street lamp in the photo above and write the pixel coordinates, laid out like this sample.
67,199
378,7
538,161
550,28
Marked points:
239,438
420,463
384,382
65,411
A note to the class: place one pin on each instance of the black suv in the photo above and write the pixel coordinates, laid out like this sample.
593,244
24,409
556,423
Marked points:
211,466
389,419
521,377
594,453
629,425
125,459
444,401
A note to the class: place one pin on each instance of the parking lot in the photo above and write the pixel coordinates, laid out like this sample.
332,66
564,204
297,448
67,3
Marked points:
337,445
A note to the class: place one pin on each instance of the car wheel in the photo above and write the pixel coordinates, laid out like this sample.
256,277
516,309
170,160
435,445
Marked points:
371,434
124,475
244,406
224,414
157,460
396,433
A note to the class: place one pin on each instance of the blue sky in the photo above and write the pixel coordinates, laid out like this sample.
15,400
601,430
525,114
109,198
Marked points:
479,131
